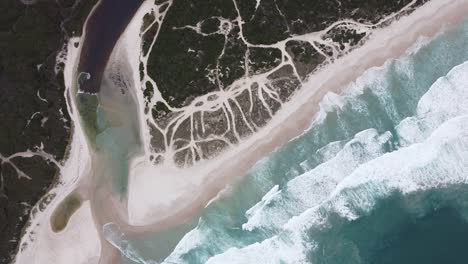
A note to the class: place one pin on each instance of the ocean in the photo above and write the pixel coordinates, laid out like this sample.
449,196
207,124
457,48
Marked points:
380,177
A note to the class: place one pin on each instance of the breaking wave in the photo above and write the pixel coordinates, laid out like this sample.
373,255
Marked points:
382,172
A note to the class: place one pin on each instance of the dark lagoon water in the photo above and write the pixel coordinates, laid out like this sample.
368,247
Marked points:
104,27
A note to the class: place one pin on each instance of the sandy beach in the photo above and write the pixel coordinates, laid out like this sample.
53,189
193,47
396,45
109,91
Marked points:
208,179
161,197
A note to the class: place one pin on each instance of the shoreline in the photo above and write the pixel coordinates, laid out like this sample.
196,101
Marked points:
195,193
383,44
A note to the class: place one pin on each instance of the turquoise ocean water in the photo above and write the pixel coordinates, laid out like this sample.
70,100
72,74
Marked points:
381,177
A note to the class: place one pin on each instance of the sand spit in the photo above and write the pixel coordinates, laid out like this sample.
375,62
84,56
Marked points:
161,197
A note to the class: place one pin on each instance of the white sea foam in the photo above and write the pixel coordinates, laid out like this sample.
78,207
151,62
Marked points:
446,98
327,152
374,78
191,240
254,213
330,102
313,186
299,193
383,44
272,251
438,160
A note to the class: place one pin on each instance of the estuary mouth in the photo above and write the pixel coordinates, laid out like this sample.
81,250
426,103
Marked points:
232,132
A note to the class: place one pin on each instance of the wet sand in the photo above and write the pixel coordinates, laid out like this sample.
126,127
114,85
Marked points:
297,115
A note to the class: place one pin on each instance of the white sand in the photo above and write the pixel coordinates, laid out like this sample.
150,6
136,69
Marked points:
163,197
166,196
79,243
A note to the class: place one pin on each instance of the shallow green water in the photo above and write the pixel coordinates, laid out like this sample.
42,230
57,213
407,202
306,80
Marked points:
110,122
